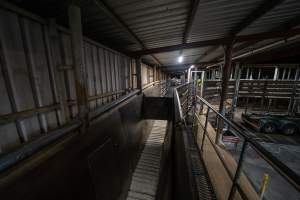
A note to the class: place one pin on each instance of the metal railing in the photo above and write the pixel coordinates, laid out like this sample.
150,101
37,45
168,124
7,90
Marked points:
285,172
12,158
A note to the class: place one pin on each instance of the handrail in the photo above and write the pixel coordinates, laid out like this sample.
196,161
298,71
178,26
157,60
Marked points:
149,84
99,111
279,166
27,150
284,171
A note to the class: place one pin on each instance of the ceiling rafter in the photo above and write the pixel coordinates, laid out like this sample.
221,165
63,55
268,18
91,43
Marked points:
295,21
187,64
190,20
221,41
111,14
262,9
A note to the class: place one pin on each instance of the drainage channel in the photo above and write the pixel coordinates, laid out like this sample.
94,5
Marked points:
145,178
203,185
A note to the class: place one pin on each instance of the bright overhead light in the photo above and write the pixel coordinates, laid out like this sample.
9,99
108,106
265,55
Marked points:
180,59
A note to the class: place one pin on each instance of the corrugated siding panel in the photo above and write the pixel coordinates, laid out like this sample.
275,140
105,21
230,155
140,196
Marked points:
37,70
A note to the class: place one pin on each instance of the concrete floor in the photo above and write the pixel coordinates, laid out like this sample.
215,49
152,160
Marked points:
255,167
285,148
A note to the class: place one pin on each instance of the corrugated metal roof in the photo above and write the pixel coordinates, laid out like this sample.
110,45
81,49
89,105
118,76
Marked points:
97,25
216,18
159,23
156,22
189,56
274,18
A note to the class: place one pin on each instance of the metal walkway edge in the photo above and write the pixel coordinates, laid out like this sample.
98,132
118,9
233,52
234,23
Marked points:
145,178
202,182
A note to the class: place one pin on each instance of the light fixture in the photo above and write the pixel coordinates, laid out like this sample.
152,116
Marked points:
180,59
192,66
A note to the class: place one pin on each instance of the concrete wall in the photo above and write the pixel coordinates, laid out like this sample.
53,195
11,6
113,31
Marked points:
94,165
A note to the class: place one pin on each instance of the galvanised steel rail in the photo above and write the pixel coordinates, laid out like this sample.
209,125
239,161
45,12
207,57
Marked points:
10,159
27,150
288,174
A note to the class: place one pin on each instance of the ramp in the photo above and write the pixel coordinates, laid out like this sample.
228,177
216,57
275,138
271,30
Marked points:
145,178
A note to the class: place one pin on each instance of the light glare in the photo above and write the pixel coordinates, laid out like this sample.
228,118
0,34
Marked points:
180,59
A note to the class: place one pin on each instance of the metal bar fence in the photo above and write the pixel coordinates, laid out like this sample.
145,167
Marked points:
285,172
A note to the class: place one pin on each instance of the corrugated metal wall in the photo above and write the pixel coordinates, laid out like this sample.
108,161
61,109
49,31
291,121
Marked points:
37,82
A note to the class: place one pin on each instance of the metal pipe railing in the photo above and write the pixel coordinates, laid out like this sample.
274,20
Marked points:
284,171
12,158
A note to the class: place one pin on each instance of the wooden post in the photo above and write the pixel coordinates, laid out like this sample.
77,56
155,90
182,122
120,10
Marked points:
74,14
225,78
138,65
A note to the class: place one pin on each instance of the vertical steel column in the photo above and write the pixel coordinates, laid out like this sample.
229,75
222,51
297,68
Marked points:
283,75
297,74
275,74
74,14
259,73
154,74
238,171
225,78
138,65
205,128
247,75
289,74
293,101
237,77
